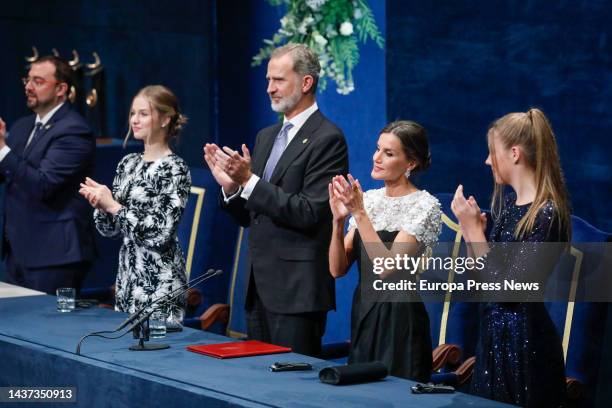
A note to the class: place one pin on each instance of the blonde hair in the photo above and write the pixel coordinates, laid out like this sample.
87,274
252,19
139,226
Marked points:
532,131
166,104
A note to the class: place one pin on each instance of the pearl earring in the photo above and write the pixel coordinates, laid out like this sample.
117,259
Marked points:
407,173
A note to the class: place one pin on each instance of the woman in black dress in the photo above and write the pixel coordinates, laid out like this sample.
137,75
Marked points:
404,219
519,358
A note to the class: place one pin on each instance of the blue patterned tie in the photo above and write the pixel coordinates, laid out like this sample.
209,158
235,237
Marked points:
36,135
277,150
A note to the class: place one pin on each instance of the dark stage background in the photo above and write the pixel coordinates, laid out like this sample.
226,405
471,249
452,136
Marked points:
452,66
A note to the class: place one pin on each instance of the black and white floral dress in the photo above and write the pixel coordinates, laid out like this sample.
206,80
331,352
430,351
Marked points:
151,263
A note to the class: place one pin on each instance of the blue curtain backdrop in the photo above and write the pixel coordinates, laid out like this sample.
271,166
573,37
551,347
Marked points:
457,66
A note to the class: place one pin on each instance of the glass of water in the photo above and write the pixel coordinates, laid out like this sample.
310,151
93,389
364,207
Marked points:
157,325
65,299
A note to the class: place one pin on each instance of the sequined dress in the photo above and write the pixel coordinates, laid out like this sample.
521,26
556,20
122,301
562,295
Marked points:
395,333
519,357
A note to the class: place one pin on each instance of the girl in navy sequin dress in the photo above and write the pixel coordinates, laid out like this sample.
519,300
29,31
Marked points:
519,357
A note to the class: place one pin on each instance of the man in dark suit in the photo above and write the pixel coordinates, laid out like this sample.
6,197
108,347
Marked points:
282,196
48,234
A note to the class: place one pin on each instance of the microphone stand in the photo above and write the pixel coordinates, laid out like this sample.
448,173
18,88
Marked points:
208,274
142,333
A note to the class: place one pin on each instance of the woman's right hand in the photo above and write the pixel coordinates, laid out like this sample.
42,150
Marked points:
99,196
339,211
473,222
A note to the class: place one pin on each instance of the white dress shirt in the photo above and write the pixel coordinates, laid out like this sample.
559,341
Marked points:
297,121
5,150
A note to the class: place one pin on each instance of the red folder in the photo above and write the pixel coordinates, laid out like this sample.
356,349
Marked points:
238,349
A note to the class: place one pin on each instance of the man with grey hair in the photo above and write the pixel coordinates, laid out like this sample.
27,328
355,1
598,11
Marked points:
281,193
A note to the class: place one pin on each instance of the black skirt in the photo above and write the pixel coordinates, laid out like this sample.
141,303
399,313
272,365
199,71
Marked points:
395,333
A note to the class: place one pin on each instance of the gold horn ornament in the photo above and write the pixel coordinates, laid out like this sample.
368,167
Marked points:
34,56
72,94
92,98
97,62
75,61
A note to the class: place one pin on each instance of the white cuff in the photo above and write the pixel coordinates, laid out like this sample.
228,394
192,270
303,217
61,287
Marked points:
227,199
249,187
4,151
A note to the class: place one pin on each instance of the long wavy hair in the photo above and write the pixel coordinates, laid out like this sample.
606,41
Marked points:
532,131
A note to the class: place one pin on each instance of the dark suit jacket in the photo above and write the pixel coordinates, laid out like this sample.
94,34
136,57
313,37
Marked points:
290,219
47,222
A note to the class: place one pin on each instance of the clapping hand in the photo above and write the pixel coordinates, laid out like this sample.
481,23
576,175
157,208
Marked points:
339,211
468,213
2,133
215,166
349,194
236,166
99,196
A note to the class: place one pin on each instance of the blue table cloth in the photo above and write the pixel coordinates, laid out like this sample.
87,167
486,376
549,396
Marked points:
37,348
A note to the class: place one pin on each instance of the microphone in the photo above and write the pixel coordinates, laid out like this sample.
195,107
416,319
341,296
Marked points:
169,298
207,275
134,316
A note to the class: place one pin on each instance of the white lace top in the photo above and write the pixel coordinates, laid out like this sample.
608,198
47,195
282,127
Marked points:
417,214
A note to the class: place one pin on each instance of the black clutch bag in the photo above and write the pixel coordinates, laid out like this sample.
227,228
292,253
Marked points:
353,373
